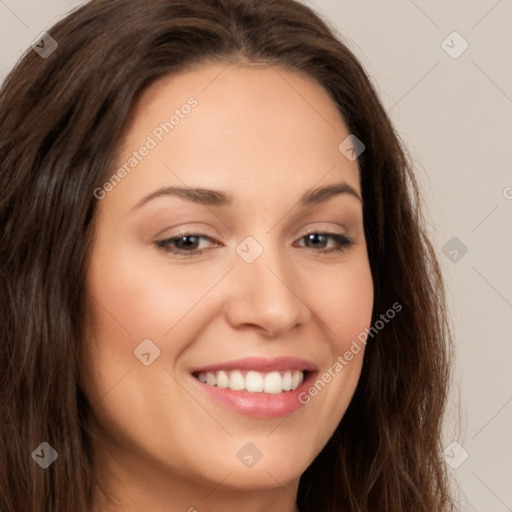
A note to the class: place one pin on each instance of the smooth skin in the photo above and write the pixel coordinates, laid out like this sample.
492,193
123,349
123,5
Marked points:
266,136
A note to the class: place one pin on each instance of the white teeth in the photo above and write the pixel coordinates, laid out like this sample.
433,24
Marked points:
222,380
236,380
273,383
287,381
211,379
297,379
255,382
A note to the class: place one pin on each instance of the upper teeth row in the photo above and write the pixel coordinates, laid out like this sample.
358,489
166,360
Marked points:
254,382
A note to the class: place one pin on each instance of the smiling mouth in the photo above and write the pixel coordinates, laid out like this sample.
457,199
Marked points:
251,381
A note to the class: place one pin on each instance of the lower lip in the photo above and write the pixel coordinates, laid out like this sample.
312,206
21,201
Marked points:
260,405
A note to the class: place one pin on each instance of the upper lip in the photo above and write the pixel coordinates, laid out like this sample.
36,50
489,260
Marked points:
260,364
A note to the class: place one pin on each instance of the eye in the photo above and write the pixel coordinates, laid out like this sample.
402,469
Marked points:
318,242
189,244
184,244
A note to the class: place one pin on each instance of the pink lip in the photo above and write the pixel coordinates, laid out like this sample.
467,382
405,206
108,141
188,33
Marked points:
260,364
259,405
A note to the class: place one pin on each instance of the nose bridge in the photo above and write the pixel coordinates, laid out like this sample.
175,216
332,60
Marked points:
263,260
265,294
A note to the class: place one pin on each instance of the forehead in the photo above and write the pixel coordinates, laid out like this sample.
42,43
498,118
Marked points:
252,128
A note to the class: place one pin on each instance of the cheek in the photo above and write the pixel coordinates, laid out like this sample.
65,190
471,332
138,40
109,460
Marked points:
351,320
135,296
345,307
344,302
125,307
355,304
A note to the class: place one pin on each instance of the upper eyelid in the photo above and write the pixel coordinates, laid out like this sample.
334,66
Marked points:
212,239
199,232
203,235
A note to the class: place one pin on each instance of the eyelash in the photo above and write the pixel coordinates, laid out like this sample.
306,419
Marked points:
343,241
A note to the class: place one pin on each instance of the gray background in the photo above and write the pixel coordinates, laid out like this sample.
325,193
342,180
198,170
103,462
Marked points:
454,115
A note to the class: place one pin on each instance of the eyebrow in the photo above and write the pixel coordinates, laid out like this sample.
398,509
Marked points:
216,198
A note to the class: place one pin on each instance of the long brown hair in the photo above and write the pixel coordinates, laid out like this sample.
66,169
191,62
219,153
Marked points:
61,122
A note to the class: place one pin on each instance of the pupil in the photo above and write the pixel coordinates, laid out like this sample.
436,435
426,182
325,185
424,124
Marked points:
182,241
315,237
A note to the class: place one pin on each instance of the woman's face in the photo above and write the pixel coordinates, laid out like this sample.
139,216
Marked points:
268,301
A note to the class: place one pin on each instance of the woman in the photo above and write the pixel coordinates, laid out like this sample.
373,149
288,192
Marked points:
217,289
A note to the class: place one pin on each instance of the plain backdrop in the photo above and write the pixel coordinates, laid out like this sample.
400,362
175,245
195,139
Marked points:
443,71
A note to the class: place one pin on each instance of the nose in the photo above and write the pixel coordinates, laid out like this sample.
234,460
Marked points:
266,295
